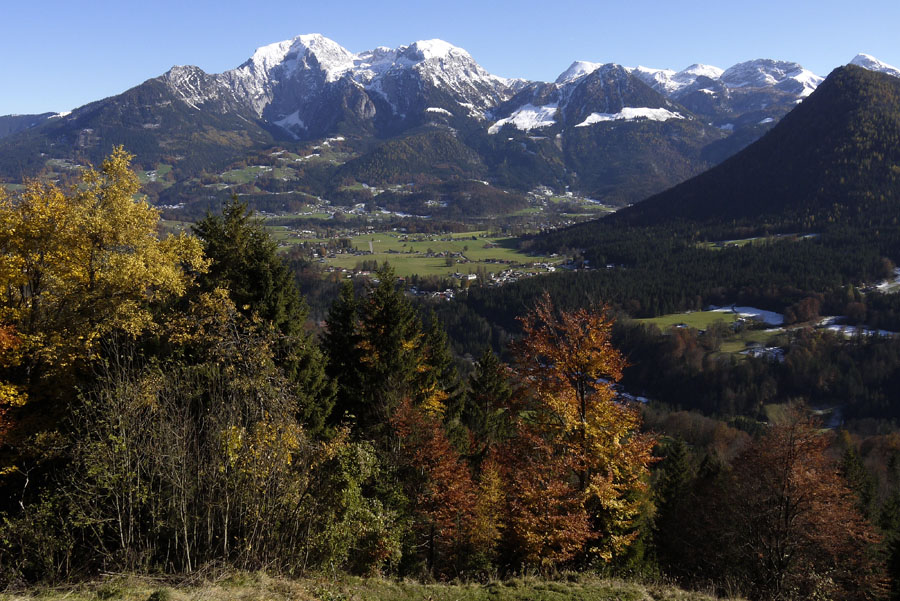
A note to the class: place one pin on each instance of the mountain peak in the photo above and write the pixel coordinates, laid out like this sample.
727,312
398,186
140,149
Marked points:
427,49
699,69
332,58
577,70
867,61
764,72
758,73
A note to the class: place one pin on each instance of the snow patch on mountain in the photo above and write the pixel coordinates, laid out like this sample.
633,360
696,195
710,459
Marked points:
192,85
808,80
434,109
700,70
527,118
867,61
428,49
631,114
658,79
291,121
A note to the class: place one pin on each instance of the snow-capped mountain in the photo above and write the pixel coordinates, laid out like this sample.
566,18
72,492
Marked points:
583,95
428,108
669,82
752,94
867,61
762,73
306,84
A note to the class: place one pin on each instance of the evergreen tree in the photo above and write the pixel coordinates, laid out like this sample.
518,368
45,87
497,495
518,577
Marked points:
438,382
389,351
485,405
245,261
673,497
340,344
857,476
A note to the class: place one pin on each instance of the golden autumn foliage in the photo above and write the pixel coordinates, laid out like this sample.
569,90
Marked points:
78,263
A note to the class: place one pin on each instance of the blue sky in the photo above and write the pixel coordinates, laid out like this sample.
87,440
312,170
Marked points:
59,55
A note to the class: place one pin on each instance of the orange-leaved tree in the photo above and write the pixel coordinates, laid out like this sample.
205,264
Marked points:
788,525
437,483
567,364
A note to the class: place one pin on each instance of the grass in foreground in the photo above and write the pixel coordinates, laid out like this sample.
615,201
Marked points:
259,587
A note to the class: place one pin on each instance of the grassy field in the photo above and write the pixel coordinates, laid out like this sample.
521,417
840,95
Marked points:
720,244
748,337
410,254
169,226
259,587
734,343
251,173
699,320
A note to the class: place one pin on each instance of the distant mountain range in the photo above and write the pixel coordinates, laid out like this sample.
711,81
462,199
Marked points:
614,133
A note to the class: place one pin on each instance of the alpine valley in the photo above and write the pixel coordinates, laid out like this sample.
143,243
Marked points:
403,126
373,324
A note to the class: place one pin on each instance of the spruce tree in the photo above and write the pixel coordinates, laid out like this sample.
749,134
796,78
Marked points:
340,343
245,261
389,351
673,496
438,381
485,411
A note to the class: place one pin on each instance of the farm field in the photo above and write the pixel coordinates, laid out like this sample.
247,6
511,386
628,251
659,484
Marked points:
442,254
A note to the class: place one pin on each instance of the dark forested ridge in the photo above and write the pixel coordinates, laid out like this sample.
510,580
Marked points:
10,124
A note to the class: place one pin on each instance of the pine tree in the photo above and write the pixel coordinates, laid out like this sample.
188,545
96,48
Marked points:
245,261
857,476
438,382
673,497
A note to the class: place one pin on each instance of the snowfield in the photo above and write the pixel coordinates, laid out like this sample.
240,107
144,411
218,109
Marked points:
527,118
768,317
630,114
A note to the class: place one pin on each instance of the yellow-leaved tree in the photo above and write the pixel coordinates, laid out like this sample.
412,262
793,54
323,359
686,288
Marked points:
79,263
